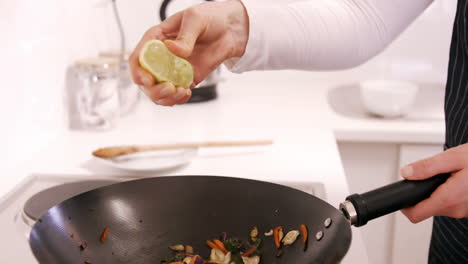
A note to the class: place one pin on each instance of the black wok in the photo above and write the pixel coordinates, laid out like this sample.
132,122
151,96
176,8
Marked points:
145,216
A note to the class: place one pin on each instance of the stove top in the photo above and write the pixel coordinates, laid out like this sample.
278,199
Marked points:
24,205
42,201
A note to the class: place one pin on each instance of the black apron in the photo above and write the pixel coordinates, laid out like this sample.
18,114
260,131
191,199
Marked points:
449,243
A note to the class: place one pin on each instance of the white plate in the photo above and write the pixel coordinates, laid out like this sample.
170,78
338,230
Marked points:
151,160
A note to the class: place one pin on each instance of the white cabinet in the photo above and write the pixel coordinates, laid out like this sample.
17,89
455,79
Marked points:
391,239
368,166
411,241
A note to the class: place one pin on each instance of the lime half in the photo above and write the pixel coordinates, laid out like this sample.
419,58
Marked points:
156,58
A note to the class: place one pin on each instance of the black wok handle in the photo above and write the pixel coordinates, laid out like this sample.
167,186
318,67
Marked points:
360,208
163,9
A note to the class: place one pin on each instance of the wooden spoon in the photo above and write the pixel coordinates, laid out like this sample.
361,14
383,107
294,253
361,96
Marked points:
112,152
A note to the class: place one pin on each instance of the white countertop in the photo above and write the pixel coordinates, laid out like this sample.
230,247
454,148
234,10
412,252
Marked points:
306,155
290,108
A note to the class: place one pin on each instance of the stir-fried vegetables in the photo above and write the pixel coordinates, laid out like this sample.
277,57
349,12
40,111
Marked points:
223,251
235,251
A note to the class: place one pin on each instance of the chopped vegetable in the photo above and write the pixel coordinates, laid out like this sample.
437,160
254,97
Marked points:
187,260
269,233
277,236
305,236
254,234
249,252
219,256
233,245
220,245
188,249
104,234
251,260
290,237
194,259
223,236
177,247
211,244
229,251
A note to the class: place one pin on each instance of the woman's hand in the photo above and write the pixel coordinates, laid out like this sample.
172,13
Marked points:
206,35
451,198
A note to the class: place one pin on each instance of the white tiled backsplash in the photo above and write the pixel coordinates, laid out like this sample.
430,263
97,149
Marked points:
40,38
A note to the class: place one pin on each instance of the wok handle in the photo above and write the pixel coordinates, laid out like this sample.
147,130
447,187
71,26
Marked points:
360,208
163,9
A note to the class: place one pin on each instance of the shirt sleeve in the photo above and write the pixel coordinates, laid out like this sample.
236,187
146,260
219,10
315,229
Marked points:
322,34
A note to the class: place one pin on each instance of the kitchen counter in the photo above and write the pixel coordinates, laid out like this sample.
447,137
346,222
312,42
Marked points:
291,108
307,155
310,92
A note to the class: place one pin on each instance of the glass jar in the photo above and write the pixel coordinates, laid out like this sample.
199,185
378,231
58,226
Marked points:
129,93
92,94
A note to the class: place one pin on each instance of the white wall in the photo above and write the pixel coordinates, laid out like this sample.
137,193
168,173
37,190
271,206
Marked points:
40,38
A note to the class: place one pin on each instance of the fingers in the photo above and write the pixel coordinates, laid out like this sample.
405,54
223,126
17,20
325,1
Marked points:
181,96
166,94
450,199
451,160
207,61
171,23
427,208
188,95
192,26
142,77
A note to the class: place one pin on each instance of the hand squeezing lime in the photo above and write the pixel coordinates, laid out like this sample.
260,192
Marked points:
157,59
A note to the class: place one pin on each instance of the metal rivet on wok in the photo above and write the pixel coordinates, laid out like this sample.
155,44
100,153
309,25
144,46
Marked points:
328,222
319,235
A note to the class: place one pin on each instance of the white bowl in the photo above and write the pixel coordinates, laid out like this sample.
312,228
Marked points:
388,98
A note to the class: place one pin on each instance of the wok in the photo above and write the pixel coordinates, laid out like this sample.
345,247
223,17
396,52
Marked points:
145,216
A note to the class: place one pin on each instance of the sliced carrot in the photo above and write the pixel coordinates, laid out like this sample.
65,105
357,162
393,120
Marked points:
194,259
249,252
221,246
211,244
177,262
304,233
305,236
276,236
104,234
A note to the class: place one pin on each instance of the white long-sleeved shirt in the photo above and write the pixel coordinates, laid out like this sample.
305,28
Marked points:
322,34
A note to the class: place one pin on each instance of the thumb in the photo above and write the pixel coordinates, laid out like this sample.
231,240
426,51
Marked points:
445,162
192,26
